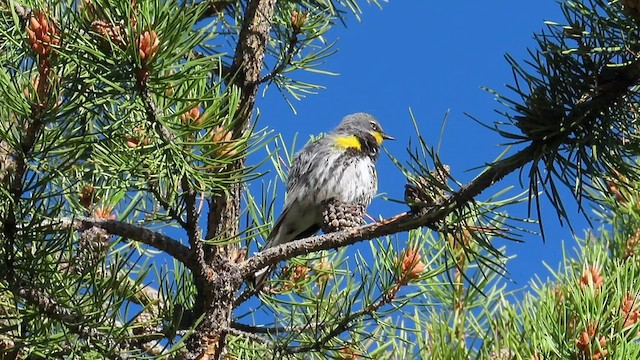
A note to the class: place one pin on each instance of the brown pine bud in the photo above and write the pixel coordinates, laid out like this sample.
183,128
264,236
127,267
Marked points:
591,276
410,265
224,138
192,117
87,196
148,45
297,21
42,34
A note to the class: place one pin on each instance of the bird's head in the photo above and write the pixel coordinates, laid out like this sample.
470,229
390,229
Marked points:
360,130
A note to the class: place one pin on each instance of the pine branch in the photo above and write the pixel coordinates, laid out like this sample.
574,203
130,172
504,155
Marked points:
288,56
346,321
133,232
46,304
224,210
175,215
153,114
582,114
274,330
50,307
191,225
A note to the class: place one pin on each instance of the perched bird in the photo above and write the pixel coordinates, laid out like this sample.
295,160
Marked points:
337,168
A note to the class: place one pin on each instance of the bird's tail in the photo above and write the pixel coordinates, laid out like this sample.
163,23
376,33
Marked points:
273,239
261,276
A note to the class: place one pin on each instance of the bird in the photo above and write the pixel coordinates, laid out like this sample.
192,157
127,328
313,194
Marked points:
337,167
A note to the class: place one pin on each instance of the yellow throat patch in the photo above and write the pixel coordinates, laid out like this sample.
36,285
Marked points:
378,136
349,142
352,141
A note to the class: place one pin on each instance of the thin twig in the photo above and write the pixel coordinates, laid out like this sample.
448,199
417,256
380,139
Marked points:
191,226
289,53
248,335
153,114
46,304
166,206
274,330
345,322
583,113
215,7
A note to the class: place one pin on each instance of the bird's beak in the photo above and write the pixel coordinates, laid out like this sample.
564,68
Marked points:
388,137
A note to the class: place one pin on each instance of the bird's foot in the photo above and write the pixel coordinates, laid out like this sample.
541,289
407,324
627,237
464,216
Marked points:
337,216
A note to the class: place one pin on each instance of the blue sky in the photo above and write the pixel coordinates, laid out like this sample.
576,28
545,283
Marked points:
432,57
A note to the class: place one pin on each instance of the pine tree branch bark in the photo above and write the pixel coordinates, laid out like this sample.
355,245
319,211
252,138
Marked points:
218,280
133,232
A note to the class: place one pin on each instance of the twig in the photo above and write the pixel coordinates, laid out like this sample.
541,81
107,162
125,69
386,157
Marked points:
215,7
46,304
290,51
274,330
153,114
344,323
50,307
581,114
248,335
247,294
191,225
166,206
224,210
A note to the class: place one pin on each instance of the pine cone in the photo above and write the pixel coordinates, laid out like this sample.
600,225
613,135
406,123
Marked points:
422,191
337,216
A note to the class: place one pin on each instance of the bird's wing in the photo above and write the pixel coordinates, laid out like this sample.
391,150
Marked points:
295,222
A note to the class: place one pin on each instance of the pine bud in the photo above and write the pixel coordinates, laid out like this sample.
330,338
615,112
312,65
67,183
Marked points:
148,45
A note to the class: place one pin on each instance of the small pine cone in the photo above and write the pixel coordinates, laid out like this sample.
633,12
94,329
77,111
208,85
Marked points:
144,322
422,191
337,216
417,198
94,240
92,246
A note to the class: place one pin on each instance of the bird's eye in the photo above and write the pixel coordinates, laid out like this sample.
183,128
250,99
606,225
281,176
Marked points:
374,126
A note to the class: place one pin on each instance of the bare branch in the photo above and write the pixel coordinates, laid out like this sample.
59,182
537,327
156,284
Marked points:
224,209
191,225
274,330
166,206
133,232
46,304
584,112
49,306
153,114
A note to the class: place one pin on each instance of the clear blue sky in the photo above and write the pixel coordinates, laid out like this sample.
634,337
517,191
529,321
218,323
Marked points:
432,57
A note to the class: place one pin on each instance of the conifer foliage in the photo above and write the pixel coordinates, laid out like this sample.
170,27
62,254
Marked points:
128,229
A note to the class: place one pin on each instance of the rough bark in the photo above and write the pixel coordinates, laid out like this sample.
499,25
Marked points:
219,280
